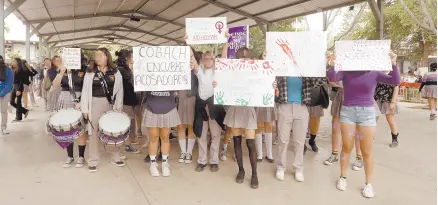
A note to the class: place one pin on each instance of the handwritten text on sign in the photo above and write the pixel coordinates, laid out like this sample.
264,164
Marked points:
239,38
206,30
363,55
161,68
71,58
297,53
244,83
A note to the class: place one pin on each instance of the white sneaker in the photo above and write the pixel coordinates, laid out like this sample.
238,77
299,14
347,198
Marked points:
182,157
68,162
154,169
279,174
80,163
5,132
123,157
358,164
342,184
224,154
299,177
188,158
368,191
165,168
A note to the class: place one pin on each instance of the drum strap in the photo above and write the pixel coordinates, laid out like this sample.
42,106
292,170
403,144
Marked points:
101,77
71,87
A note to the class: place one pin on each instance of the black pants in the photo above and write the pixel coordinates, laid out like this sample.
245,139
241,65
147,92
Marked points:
19,109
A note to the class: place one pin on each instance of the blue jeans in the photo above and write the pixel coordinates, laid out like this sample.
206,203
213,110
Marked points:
361,116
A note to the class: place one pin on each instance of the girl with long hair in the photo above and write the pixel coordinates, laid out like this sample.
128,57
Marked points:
429,81
358,116
53,95
20,76
28,86
97,99
65,101
130,101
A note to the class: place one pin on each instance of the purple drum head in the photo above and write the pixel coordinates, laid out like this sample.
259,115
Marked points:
64,139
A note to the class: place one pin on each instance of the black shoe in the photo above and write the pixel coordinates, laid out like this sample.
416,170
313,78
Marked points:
394,144
254,182
147,159
27,114
240,177
214,167
200,167
313,146
92,169
269,160
305,149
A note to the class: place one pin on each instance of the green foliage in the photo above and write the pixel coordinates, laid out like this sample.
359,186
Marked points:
406,37
14,54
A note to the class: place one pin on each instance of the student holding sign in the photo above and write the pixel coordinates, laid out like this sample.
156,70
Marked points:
358,116
265,118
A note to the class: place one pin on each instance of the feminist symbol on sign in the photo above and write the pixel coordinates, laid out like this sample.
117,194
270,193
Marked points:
219,26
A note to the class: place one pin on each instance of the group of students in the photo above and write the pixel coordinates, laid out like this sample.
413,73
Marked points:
193,112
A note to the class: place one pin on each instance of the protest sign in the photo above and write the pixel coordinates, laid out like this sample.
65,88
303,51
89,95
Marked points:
243,82
71,58
239,38
297,53
206,30
363,55
161,68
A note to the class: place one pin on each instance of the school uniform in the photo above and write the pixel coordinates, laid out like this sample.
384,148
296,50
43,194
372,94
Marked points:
160,110
65,99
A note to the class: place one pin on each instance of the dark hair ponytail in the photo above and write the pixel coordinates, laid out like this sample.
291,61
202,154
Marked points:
122,56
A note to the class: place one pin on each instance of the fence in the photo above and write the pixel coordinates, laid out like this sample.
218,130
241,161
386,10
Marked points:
409,92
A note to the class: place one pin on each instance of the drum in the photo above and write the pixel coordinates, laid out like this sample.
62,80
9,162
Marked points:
65,126
114,128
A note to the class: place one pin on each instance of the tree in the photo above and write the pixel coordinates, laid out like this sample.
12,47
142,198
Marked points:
407,38
112,49
428,22
14,54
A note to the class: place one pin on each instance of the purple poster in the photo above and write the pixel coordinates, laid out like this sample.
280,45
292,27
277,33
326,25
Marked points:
239,37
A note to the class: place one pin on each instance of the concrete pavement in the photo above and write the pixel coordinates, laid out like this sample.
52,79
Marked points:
31,173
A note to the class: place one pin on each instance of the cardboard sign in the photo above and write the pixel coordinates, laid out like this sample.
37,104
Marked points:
161,68
363,55
239,38
206,30
244,83
299,54
71,58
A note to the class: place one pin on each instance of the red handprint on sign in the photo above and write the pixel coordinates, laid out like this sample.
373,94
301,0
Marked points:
285,46
267,68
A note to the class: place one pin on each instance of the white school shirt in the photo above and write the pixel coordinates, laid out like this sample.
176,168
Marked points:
205,80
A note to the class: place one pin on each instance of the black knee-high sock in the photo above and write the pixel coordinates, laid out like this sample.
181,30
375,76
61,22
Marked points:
238,151
70,150
250,143
312,139
81,149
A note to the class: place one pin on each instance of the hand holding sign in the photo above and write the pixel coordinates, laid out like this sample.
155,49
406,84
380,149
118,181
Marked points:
206,30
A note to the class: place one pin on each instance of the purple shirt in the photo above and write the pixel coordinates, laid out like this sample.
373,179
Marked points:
359,86
431,77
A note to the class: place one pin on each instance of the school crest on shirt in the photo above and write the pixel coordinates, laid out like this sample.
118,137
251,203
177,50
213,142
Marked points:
112,77
81,74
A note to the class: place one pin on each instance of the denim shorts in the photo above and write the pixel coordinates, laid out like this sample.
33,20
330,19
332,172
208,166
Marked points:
361,116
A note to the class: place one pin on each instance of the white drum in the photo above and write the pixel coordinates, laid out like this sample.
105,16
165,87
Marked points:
65,126
114,128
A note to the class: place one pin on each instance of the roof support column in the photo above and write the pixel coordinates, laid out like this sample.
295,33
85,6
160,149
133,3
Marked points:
40,50
2,31
380,22
48,50
28,42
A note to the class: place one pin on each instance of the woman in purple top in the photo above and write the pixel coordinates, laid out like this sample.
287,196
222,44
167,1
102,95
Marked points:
429,80
358,115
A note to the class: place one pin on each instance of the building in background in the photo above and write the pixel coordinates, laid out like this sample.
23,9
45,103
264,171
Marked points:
17,48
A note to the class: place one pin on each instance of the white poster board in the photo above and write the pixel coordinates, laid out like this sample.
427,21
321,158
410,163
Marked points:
206,30
297,53
161,68
71,58
244,83
363,55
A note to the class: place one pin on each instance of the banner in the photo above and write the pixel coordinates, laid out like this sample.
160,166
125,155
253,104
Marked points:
244,83
161,68
71,58
363,55
239,38
206,30
299,54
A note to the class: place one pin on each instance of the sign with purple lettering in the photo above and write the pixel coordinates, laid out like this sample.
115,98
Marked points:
161,68
239,38
206,30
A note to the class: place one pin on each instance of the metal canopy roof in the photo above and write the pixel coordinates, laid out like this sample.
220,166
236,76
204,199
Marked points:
93,22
